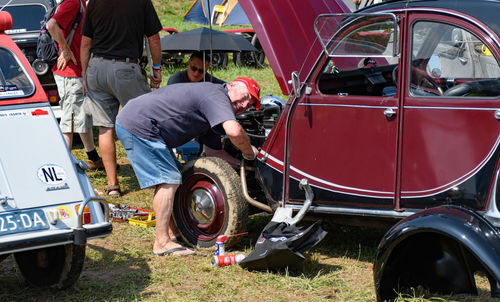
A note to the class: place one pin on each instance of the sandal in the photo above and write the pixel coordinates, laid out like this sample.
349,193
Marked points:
110,189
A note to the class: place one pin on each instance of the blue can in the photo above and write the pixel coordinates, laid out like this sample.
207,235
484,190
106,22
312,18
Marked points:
220,248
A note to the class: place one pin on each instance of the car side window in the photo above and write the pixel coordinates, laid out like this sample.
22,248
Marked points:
365,66
14,82
449,61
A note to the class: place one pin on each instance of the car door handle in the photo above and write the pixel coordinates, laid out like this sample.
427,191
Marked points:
389,113
497,114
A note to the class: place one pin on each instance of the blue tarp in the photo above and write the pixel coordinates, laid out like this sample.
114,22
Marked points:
198,13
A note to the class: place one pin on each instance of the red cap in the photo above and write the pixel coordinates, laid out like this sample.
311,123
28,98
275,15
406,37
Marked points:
253,89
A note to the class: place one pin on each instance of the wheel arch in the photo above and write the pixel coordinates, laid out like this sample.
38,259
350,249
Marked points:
458,242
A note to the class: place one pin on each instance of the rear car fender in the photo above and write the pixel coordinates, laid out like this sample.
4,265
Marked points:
440,249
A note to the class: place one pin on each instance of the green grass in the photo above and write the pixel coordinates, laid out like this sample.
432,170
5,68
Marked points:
120,267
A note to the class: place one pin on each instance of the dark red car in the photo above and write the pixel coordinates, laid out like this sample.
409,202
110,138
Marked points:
394,116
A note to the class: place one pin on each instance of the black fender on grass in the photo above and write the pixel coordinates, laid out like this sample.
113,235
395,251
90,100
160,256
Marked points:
440,249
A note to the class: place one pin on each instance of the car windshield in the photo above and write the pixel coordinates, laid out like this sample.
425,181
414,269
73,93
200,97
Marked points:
25,18
14,82
346,35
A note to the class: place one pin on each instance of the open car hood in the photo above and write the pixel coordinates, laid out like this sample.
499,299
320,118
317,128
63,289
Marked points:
285,29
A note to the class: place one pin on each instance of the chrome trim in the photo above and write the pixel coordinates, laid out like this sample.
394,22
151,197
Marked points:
404,107
497,114
450,108
348,106
84,203
389,113
315,209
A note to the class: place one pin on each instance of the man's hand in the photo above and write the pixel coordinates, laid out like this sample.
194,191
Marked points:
255,151
240,139
64,57
155,78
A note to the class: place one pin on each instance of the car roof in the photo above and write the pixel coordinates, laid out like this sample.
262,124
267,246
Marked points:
485,11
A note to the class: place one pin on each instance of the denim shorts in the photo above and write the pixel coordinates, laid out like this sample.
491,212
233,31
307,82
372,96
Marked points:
153,162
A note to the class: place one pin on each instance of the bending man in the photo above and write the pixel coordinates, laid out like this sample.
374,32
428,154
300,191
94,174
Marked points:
152,124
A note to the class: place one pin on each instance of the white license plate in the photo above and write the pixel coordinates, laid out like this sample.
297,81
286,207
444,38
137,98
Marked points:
22,221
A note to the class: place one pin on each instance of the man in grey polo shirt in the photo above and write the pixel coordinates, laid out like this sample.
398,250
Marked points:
154,123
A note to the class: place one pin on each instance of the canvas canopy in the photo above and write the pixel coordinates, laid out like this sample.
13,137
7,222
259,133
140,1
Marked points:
227,12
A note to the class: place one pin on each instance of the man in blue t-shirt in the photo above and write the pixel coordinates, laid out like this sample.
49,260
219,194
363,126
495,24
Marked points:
152,124
196,71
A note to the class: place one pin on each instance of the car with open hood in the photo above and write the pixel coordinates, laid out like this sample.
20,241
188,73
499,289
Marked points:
48,207
393,117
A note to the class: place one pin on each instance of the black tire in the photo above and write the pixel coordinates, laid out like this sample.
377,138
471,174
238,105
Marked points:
219,60
213,181
57,266
251,58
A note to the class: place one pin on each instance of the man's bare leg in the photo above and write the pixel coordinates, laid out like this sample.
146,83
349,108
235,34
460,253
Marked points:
108,153
88,140
163,202
68,138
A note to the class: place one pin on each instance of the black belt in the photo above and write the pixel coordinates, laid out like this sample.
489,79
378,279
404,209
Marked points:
129,60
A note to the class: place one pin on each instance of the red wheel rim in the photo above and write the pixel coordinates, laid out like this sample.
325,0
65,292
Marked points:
202,206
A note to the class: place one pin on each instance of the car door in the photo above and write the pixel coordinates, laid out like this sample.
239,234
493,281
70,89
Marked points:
450,133
344,129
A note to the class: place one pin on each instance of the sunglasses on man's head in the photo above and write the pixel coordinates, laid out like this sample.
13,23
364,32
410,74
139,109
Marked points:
196,69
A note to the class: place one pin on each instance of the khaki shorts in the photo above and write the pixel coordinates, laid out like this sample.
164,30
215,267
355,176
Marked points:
109,84
74,118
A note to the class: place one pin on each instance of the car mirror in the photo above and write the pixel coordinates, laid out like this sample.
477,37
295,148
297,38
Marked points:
295,83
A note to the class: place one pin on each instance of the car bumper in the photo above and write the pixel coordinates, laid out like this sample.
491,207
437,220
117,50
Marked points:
50,238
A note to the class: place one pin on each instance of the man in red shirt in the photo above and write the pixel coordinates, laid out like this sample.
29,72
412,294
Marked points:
68,75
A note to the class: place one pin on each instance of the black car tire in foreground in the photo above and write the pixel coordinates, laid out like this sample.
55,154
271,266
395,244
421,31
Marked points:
57,266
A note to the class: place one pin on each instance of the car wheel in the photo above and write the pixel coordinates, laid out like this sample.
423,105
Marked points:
219,60
57,266
251,58
210,203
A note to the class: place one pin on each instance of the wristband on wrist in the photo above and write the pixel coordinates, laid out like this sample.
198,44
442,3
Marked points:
243,154
157,66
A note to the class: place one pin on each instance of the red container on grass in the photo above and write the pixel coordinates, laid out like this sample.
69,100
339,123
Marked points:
226,260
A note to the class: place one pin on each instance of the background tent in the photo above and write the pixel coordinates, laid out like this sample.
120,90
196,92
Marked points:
234,14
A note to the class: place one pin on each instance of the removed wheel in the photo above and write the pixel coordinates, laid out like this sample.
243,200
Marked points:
210,203
57,266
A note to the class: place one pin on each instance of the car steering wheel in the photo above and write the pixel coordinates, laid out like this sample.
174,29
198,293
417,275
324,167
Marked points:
490,87
435,88
395,75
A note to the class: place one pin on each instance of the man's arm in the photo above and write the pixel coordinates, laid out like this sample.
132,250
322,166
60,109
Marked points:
155,48
66,55
85,56
239,138
221,154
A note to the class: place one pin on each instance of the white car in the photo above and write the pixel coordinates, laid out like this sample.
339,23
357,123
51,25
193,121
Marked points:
48,207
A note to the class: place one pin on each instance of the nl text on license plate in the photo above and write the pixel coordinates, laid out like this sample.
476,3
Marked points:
22,221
